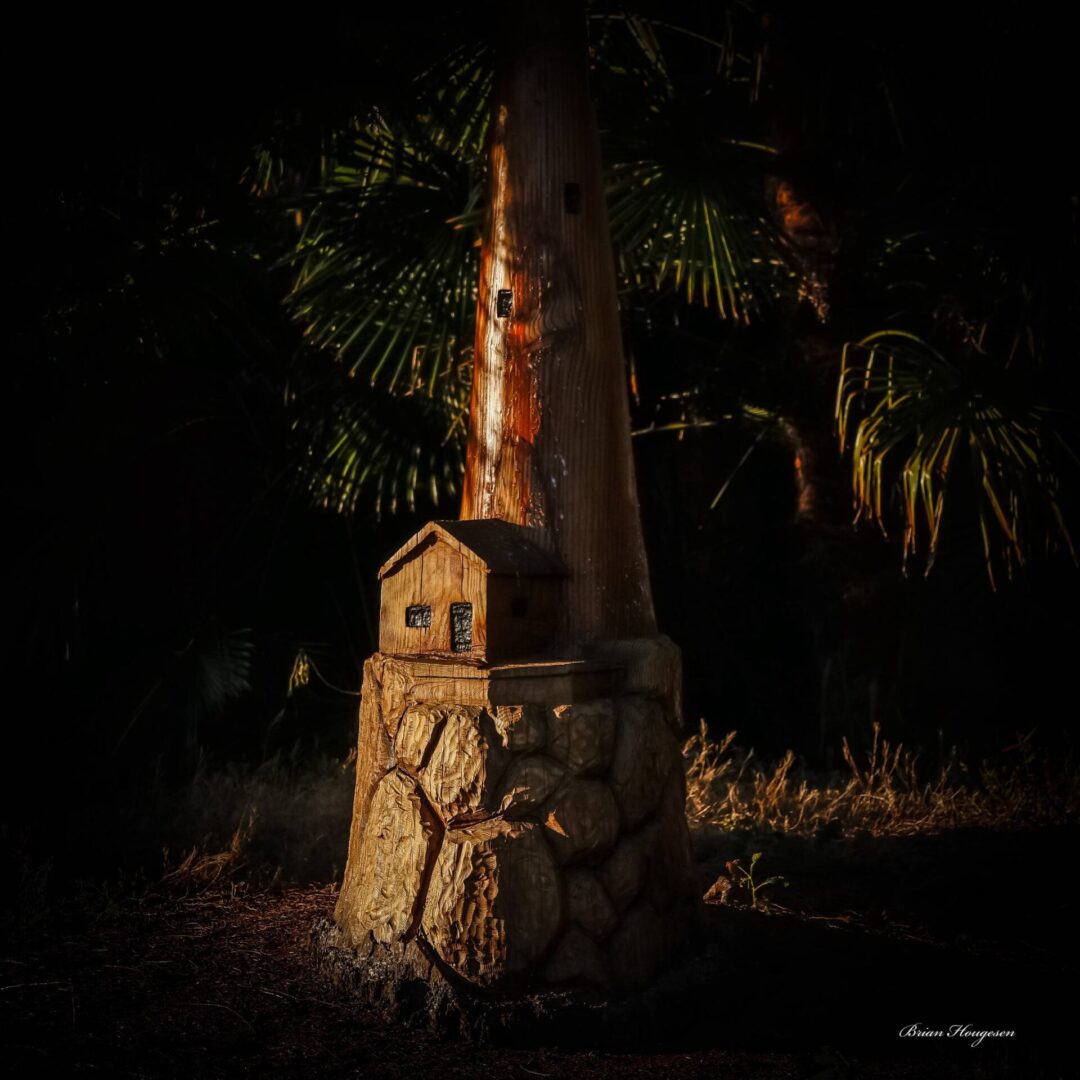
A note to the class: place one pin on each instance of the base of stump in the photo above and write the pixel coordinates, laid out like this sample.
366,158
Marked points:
517,831
405,989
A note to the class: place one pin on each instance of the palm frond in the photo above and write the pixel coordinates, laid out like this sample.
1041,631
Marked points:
394,451
709,241
906,411
687,193
387,261
220,667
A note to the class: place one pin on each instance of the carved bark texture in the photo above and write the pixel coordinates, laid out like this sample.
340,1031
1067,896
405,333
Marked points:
515,848
549,438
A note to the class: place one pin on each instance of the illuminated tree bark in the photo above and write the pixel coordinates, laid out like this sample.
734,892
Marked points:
549,442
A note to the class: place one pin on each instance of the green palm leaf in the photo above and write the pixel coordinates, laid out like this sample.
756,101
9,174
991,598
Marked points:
687,196
711,243
393,451
907,412
387,259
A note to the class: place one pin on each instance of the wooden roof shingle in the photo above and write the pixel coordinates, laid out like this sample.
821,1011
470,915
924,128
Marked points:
503,548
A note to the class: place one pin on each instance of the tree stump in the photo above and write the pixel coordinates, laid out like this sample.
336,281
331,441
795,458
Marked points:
517,829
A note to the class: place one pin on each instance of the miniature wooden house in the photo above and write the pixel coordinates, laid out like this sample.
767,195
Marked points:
480,590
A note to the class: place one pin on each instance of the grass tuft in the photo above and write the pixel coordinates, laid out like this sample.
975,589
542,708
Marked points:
887,794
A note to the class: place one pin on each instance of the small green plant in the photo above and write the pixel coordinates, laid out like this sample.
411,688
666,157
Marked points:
744,878
1025,746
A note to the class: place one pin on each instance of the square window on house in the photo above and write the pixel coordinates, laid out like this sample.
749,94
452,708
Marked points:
418,615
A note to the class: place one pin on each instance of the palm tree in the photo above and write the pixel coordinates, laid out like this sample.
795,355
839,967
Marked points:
387,260
387,266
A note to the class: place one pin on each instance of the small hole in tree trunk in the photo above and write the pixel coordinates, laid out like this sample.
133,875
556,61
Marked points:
572,198
503,303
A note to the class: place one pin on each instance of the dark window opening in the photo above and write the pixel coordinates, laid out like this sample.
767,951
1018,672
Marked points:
504,302
519,606
461,627
572,198
418,615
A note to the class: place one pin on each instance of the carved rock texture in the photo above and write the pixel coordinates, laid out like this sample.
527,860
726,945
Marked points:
395,848
582,819
529,781
582,735
415,734
494,903
623,875
587,904
578,960
645,752
466,763
515,848
636,950
521,727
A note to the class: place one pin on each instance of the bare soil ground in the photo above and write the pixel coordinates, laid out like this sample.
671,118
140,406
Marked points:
965,928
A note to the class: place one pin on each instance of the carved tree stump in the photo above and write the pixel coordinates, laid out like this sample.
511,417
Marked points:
519,827
506,849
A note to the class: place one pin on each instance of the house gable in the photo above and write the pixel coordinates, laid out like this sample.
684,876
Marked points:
438,590
502,548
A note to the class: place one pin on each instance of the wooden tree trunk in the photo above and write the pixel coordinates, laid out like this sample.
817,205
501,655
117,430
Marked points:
520,827
549,441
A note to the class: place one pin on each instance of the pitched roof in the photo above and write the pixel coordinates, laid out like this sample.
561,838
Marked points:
502,547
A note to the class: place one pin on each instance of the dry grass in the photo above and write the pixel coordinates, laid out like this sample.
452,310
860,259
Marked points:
281,821
887,795
203,869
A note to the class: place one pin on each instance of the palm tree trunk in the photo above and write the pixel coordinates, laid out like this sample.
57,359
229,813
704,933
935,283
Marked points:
549,443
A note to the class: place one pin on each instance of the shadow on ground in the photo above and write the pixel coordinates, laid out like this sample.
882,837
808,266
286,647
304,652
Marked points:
872,935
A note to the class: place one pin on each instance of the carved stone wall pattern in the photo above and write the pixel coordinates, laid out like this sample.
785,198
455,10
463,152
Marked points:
516,847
